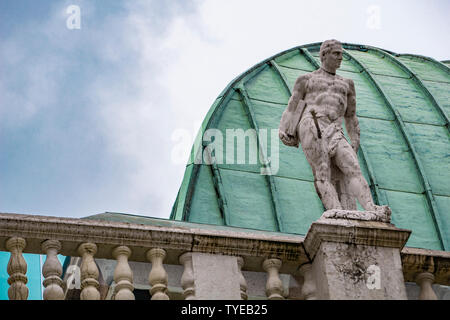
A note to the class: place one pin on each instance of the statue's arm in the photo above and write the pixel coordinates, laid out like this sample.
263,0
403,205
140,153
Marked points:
293,113
298,93
351,121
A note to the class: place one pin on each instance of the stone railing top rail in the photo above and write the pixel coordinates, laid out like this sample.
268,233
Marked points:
254,247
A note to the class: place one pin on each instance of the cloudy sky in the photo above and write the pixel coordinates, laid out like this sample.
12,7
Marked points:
97,113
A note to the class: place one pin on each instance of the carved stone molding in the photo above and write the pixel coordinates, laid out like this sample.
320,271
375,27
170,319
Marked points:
247,247
416,261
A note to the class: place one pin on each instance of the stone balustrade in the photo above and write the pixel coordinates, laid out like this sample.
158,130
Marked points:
52,271
123,275
164,242
17,268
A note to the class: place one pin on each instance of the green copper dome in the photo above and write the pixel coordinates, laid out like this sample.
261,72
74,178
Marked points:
403,107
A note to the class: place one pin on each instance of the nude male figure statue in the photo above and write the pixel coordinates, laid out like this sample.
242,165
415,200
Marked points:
320,101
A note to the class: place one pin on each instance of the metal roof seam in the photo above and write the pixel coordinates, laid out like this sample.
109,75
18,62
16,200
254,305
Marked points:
309,57
221,200
282,76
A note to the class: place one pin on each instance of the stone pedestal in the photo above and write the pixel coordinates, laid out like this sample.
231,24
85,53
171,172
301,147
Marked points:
216,277
354,259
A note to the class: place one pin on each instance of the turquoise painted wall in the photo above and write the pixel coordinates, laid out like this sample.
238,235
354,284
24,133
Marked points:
34,274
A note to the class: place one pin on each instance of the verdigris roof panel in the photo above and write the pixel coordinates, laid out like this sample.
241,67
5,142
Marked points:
409,100
238,154
204,207
248,200
425,68
433,146
292,75
268,117
377,64
411,212
369,102
401,173
441,93
294,60
443,203
298,215
267,86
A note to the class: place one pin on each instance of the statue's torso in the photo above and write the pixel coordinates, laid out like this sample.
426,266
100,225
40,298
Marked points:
326,97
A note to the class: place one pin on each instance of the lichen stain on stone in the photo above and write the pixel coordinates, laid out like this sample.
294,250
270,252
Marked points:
353,262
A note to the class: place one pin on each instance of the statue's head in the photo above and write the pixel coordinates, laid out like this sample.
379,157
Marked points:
331,55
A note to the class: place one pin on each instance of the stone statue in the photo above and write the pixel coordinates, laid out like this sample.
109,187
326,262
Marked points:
320,101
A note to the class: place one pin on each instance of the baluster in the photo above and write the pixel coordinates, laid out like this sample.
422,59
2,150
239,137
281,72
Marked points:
158,276
89,272
52,271
309,284
17,269
123,276
187,278
274,286
425,280
242,282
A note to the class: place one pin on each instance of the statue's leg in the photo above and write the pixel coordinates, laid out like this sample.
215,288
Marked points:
324,186
320,164
347,161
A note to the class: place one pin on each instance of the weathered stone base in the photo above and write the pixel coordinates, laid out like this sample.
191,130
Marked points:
356,259
348,271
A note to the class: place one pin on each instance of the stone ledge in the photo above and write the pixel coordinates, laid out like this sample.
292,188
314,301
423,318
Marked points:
370,233
253,247
416,261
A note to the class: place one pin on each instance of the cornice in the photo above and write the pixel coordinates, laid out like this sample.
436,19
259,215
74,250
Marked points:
356,232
